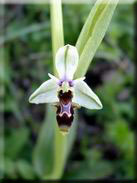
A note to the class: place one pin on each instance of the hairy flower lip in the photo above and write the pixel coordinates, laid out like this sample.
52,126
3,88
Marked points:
63,113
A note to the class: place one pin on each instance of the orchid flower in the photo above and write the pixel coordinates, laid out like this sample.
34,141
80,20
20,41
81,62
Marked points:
63,91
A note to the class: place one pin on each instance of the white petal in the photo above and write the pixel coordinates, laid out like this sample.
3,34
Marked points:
53,77
66,61
46,93
85,97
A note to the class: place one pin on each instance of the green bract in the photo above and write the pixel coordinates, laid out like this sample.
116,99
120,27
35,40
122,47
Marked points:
93,32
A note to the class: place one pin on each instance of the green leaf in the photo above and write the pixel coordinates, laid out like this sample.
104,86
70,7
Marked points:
52,148
93,32
10,168
25,169
12,34
43,154
15,142
56,27
93,167
118,132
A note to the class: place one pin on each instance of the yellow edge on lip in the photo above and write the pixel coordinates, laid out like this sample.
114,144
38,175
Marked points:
64,130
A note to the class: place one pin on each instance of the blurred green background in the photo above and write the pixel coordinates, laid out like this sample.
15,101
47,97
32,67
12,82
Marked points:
104,144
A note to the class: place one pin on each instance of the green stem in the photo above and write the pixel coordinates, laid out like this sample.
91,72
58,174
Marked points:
57,42
60,154
56,27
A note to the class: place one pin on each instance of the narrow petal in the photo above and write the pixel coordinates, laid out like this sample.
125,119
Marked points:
66,61
46,93
85,97
53,77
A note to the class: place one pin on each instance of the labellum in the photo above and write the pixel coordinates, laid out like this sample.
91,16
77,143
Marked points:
65,111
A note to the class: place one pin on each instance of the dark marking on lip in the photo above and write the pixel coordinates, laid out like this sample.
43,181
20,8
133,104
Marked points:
65,110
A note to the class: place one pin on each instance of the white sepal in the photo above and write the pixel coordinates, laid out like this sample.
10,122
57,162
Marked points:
46,93
79,79
66,61
85,97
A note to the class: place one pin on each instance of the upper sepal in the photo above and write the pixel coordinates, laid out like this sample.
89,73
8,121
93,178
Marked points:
66,62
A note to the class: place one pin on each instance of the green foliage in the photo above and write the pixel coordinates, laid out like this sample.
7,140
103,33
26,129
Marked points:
25,169
93,32
104,144
93,167
17,145
43,154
